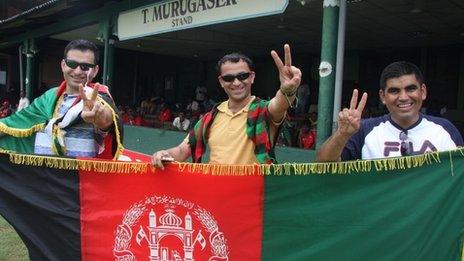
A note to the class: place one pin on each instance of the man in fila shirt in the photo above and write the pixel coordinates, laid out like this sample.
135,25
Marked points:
403,132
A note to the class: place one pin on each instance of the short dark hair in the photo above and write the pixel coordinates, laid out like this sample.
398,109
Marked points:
398,69
234,58
82,45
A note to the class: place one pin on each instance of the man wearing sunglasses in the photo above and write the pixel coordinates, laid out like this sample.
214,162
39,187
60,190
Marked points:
77,118
405,131
243,129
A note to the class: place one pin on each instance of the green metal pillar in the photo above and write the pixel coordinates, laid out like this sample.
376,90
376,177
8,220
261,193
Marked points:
327,70
109,62
108,56
30,50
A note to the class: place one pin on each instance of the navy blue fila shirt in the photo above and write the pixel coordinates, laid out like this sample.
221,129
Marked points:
380,138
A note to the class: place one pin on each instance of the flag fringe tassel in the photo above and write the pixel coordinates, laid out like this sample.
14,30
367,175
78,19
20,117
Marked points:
21,133
79,164
120,147
347,167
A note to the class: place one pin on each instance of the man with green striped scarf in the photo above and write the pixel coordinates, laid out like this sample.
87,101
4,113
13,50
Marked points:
241,130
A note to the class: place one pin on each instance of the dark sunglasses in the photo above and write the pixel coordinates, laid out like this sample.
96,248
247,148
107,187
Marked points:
73,64
406,144
241,77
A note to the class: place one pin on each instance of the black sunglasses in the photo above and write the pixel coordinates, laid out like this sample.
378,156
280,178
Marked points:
405,145
73,64
241,77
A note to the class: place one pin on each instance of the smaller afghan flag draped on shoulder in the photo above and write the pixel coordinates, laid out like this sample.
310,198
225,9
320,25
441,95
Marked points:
21,127
394,209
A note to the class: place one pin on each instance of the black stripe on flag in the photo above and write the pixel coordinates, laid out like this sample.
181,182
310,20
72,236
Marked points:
42,204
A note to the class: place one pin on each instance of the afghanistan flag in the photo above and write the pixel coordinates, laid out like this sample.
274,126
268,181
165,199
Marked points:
408,208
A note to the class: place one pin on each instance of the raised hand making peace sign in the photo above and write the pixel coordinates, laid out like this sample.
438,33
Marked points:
290,76
349,120
94,111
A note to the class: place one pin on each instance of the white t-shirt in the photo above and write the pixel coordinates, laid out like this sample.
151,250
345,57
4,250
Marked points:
23,103
380,138
183,126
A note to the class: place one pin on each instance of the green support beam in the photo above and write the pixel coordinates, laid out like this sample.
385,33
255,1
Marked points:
30,49
108,63
106,31
327,70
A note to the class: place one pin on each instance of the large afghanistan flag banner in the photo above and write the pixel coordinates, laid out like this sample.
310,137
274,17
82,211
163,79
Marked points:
408,208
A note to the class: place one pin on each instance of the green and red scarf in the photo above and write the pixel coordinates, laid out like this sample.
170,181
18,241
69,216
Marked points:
257,129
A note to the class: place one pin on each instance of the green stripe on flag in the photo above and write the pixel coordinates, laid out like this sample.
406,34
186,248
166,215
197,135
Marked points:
412,214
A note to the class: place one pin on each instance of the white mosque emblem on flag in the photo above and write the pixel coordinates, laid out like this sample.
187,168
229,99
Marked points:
167,235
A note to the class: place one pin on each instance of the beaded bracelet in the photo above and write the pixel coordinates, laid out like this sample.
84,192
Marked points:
289,95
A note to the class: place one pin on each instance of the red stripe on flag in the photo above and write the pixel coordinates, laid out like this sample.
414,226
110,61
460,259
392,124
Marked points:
175,211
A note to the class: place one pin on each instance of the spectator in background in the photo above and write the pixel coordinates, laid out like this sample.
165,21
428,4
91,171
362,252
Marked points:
165,114
152,105
195,109
302,100
131,118
121,111
23,101
285,136
138,120
181,122
200,93
126,115
306,137
145,106
313,119
192,105
5,109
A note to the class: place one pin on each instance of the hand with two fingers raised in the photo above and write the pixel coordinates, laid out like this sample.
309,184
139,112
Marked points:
289,75
94,111
349,119
349,122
